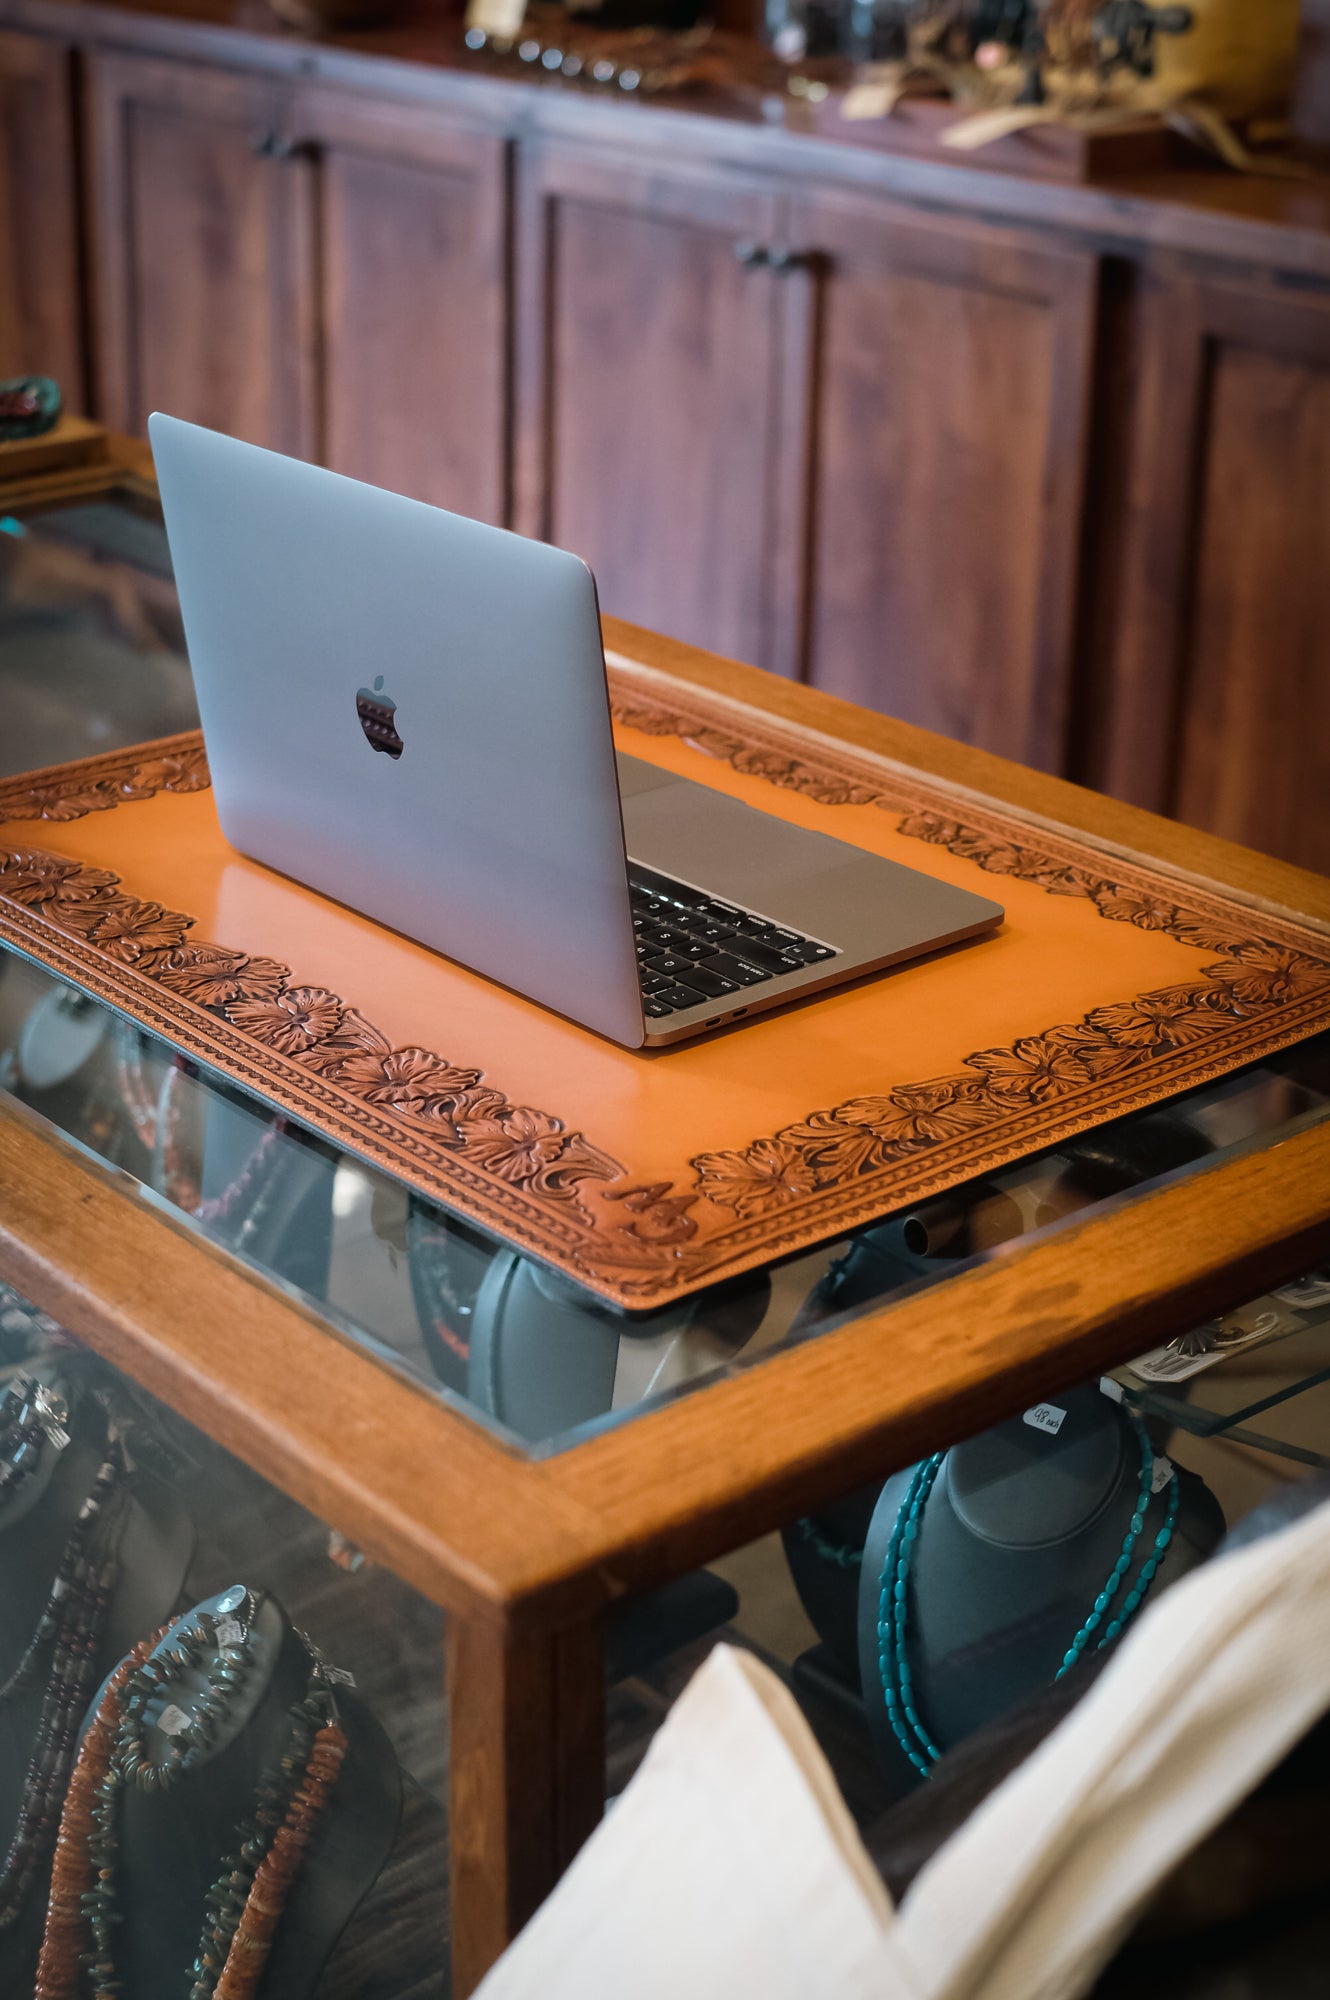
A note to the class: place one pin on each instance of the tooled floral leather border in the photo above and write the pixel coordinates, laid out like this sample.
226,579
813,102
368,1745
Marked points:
1268,990
451,1132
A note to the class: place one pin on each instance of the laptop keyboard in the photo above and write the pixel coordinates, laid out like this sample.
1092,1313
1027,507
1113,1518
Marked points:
692,948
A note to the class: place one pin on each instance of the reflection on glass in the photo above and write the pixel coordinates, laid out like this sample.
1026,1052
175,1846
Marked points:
92,652
183,1527
520,1348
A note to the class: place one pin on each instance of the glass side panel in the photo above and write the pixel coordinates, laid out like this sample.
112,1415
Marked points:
519,1348
184,1534
290,1621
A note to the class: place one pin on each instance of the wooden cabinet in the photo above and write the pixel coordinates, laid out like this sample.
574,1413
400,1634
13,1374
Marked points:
1041,469
1221,681
40,291
650,389
203,252
946,451
313,272
413,256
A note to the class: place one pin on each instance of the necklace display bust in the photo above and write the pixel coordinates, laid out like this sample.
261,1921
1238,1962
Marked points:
175,1831
146,1541
1019,1532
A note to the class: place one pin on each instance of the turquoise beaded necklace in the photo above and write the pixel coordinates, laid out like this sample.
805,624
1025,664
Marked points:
893,1659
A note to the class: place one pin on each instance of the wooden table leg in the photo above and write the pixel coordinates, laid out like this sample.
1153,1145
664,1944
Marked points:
526,1776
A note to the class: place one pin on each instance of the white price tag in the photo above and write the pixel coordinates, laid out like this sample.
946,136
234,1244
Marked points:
173,1721
1046,1417
230,1632
340,1676
1163,1472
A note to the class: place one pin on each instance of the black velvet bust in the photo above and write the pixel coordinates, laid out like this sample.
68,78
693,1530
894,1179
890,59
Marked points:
155,1549
172,1842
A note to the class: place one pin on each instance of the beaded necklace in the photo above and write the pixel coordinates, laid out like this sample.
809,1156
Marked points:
68,1637
893,1658
244,1906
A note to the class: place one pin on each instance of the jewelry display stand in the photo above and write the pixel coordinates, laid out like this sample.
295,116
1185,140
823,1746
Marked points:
1019,1533
545,1358
156,1543
172,1840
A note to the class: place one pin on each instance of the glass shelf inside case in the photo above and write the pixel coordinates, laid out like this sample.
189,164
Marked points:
515,1346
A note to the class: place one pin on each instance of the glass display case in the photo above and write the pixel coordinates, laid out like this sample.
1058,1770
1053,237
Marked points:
442,1531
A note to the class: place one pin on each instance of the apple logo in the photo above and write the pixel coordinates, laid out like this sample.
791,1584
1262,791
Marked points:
377,712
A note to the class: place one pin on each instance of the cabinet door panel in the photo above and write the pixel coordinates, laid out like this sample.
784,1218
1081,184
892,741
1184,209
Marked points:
946,472
413,250
39,276
649,384
1222,674
203,252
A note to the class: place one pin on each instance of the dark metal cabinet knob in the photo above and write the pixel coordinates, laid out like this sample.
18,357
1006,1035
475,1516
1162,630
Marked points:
277,146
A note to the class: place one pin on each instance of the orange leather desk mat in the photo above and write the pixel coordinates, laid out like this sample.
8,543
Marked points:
1112,985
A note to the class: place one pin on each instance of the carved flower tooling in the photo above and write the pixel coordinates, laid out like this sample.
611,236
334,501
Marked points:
410,1080
290,1022
1177,1017
518,1147
125,928
51,802
770,1173
182,771
212,975
1266,977
30,877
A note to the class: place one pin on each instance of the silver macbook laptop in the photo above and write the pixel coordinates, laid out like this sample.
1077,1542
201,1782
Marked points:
407,711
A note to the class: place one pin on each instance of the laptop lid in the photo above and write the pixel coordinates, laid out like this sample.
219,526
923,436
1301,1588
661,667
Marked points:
407,710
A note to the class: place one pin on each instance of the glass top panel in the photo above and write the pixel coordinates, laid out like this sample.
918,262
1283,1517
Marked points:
518,1347
91,656
92,653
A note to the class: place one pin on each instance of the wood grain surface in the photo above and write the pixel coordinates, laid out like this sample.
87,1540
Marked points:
40,331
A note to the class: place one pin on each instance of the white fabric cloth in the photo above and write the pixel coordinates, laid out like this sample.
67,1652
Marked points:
731,1866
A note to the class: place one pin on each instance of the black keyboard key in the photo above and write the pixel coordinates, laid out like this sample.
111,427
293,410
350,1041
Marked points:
754,927
677,997
656,1009
726,966
653,982
763,955
712,933
670,937
668,963
786,938
712,983
723,913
